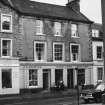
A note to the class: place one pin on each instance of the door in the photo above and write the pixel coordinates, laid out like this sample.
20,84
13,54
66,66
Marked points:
81,76
58,75
70,78
46,79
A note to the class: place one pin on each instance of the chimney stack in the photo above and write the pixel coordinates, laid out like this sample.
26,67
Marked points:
75,4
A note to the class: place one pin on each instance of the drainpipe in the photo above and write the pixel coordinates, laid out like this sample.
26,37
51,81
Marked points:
103,24
77,86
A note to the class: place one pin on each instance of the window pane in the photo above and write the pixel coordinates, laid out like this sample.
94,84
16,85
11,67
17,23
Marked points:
95,33
58,52
6,79
74,52
6,22
6,47
40,51
39,26
99,52
100,73
57,28
74,30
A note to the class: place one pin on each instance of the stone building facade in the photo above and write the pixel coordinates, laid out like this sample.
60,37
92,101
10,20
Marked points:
43,44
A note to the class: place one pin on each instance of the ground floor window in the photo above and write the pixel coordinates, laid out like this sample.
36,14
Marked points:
6,78
100,73
33,77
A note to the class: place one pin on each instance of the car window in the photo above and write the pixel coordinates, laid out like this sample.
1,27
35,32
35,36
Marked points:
100,87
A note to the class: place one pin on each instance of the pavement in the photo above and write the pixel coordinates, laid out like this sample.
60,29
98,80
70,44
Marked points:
41,95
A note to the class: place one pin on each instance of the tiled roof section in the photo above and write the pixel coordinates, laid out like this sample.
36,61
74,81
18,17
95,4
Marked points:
33,8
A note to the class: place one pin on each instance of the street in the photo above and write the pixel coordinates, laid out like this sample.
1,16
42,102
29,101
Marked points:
49,101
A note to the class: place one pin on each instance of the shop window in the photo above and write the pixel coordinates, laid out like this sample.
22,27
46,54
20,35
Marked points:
6,78
33,77
100,73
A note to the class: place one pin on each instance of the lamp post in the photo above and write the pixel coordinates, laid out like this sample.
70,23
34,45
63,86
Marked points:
77,86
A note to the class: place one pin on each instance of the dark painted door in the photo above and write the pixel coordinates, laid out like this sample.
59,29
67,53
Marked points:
70,78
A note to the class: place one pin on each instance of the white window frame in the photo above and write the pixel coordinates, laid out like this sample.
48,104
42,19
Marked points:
45,51
11,49
79,52
29,80
63,52
8,31
76,31
101,53
56,28
95,33
40,26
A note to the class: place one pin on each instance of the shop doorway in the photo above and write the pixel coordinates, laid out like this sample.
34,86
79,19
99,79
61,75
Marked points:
70,80
58,75
46,79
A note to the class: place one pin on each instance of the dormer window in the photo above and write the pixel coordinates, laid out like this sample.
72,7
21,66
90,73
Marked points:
74,30
6,23
95,33
57,27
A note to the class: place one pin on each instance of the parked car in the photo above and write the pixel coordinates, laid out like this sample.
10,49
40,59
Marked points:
94,94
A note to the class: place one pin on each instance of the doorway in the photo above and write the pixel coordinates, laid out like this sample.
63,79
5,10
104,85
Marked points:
46,79
70,80
58,75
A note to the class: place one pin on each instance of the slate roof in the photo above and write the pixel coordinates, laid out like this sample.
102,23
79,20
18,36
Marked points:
33,8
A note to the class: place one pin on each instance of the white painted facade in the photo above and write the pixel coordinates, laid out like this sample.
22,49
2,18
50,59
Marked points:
13,64
97,63
52,67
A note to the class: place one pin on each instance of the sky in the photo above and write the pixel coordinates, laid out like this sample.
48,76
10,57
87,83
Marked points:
90,8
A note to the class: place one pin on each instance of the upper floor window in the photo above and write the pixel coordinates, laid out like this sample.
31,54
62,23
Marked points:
40,51
99,52
74,30
95,33
33,77
57,27
75,52
39,27
100,73
6,23
58,53
6,47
